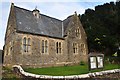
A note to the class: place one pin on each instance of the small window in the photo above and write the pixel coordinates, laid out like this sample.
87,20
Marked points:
44,46
58,47
26,44
77,31
82,48
28,41
75,48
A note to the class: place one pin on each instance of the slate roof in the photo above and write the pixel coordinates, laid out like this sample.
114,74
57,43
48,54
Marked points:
66,22
45,25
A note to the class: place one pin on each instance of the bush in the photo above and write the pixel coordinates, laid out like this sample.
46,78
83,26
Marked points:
82,63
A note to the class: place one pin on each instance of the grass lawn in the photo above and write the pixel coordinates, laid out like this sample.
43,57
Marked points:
67,70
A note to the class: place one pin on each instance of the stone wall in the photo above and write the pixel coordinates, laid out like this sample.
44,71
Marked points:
80,39
35,57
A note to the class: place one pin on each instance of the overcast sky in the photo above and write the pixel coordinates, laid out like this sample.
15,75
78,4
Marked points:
59,9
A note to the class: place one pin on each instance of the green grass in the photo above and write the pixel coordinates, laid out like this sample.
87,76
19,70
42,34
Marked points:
64,70
67,70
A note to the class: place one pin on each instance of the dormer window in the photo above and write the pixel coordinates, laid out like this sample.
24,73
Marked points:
36,13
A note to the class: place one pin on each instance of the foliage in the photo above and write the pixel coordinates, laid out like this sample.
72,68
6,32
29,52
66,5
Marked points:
7,73
82,63
102,27
112,60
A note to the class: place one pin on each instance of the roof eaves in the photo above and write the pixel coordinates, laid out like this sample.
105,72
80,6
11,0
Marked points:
18,31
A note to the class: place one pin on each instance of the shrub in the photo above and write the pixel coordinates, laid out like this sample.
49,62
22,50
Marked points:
82,63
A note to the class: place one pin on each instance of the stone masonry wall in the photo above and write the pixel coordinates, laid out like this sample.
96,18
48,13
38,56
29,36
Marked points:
35,57
81,39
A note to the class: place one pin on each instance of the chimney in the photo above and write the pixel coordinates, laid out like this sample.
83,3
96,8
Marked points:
12,4
36,13
75,13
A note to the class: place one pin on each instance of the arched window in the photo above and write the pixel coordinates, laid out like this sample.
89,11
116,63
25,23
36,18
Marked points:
24,44
58,47
28,41
28,45
42,46
46,46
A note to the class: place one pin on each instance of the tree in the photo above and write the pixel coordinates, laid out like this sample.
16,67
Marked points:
102,27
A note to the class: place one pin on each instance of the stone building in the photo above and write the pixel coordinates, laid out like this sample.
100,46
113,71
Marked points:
36,40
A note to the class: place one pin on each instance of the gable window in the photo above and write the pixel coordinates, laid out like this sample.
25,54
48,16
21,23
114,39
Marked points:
26,44
44,46
58,47
77,32
75,48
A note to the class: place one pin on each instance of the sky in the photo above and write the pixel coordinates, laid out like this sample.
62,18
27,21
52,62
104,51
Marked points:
59,9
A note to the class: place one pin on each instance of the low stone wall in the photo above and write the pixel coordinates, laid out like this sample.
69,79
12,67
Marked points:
18,69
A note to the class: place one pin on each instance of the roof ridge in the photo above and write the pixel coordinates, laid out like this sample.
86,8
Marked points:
51,17
67,17
22,8
40,13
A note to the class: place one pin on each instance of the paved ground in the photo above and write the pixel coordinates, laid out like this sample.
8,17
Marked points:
115,76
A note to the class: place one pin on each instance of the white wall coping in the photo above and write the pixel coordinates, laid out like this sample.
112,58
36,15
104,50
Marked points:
65,77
